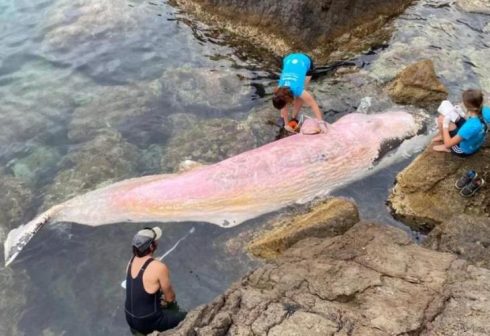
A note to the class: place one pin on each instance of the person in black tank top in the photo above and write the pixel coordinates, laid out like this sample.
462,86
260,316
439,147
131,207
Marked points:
144,312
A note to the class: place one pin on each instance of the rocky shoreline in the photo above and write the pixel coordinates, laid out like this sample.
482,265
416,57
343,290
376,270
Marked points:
328,272
371,280
327,30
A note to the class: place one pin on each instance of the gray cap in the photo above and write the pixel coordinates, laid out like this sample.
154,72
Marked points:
143,238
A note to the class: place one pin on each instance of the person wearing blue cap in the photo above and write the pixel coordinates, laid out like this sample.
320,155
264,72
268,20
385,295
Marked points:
146,280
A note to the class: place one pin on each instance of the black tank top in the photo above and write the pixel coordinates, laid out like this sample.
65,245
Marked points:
140,304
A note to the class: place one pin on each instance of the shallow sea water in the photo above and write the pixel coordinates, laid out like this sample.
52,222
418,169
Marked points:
89,90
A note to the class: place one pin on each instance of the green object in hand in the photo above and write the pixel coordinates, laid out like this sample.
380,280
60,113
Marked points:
171,305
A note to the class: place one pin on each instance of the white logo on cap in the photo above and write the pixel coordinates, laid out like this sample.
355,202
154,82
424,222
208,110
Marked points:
294,61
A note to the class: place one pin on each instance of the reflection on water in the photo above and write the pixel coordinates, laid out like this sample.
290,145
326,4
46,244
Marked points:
97,91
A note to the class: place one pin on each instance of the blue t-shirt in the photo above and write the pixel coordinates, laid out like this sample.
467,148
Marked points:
473,134
486,114
294,69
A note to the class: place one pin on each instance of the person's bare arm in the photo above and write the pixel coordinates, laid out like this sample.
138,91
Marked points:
311,102
448,141
165,285
285,114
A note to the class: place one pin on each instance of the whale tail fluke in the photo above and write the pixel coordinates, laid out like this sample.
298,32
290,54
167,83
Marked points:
18,238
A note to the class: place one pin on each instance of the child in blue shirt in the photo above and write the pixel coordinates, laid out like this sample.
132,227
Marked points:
297,70
466,139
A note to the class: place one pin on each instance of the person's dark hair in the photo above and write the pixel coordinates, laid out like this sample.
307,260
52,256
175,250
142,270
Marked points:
146,252
282,96
473,100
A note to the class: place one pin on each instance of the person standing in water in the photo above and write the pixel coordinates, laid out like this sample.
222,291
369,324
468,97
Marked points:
296,73
146,280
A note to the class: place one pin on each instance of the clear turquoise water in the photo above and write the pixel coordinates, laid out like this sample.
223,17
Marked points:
96,81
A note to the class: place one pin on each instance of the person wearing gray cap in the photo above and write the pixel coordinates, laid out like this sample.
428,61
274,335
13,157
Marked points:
146,280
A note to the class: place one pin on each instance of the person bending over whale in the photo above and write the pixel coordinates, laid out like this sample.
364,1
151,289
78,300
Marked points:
296,73
146,280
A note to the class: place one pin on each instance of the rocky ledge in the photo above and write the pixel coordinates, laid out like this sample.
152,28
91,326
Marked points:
372,280
424,194
318,27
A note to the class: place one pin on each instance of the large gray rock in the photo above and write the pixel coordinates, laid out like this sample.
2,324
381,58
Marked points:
479,58
370,281
299,24
466,236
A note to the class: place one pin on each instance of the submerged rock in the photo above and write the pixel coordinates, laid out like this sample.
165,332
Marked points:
36,103
344,93
329,218
13,298
39,161
118,108
370,281
16,199
205,141
73,24
300,25
465,236
105,159
204,90
418,85
424,194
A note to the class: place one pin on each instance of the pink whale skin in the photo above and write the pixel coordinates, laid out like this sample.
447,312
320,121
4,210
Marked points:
295,169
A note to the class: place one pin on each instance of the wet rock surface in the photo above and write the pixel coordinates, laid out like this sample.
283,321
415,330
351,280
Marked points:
465,236
433,30
301,25
424,194
370,281
418,85
324,219
474,6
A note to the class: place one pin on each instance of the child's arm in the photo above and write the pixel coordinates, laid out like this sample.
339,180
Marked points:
448,141
311,102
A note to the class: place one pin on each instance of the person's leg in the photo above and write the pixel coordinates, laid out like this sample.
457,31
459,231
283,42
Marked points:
441,148
169,319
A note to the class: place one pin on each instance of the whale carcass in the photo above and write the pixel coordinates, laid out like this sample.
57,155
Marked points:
294,169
